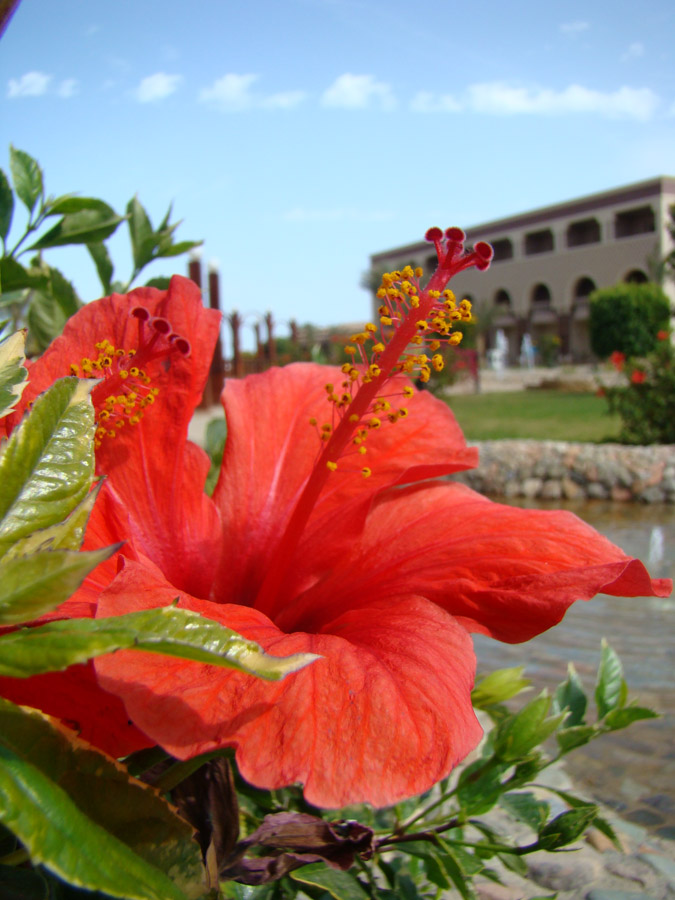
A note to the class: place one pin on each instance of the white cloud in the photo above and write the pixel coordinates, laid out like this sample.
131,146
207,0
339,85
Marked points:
232,93
32,84
357,91
284,100
574,28
496,98
634,51
67,88
157,87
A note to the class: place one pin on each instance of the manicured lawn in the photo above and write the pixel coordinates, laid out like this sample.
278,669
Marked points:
543,415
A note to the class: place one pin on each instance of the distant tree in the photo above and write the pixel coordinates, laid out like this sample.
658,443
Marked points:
627,318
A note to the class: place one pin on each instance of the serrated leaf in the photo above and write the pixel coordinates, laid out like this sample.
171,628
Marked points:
33,585
6,205
521,733
47,801
566,828
27,177
524,807
622,718
13,373
47,465
610,688
104,266
143,239
340,885
66,535
571,697
498,686
86,227
166,630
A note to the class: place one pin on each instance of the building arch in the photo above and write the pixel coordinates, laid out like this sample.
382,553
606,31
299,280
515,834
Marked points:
540,295
635,276
502,299
583,288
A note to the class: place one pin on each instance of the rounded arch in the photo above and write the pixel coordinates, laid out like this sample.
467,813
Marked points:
583,288
502,298
636,276
540,294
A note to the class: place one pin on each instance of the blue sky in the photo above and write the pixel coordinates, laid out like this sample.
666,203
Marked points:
296,137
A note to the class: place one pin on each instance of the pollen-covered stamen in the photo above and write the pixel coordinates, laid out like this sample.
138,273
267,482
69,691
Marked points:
403,304
128,374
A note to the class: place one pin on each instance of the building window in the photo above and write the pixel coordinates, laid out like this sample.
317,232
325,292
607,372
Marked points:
583,288
636,276
538,242
541,296
586,231
503,249
503,299
634,221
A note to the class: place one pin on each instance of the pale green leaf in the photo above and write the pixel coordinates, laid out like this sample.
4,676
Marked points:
33,585
497,686
570,697
13,374
47,465
610,689
27,177
39,772
88,226
340,885
168,631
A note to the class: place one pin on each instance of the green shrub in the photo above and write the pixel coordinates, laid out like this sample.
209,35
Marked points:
646,403
627,317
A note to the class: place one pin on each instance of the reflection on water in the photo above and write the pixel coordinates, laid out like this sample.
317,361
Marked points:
634,770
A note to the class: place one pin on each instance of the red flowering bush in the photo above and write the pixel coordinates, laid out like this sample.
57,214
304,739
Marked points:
377,568
646,402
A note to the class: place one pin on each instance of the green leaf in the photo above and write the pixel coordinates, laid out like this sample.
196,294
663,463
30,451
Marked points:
86,227
13,373
47,465
80,815
520,734
161,282
570,696
35,584
610,687
340,885
71,203
622,718
570,738
27,177
566,827
99,253
143,239
480,785
6,205
524,807
180,247
15,277
167,630
498,686
46,319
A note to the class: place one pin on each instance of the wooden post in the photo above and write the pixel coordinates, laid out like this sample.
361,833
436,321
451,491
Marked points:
235,324
271,347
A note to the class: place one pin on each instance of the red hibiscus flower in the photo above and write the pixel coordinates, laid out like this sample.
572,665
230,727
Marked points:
378,569
617,359
638,376
662,335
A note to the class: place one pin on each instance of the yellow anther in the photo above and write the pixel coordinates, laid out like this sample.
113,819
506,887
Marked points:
350,350
111,433
374,370
403,412
346,368
378,348
120,423
386,320
437,362
100,432
417,339
354,418
150,399
331,466
422,325
329,388
123,374
434,345
407,272
366,472
455,338
434,294
106,362
104,414
354,374
419,272
134,420
415,302
381,293
370,327
425,373
312,421
363,450
408,391
327,428
448,294
383,310
134,371
74,369
120,352
374,423
131,352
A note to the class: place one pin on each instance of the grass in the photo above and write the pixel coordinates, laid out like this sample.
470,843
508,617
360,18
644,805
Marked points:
542,415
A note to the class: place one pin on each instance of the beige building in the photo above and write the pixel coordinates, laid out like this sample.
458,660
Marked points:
549,260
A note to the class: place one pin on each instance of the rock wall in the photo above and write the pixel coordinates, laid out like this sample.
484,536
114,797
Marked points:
554,470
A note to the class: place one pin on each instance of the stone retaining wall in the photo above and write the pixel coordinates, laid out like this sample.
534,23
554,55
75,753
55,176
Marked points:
556,470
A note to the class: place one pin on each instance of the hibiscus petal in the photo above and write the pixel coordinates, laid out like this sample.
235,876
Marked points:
271,450
500,570
383,715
